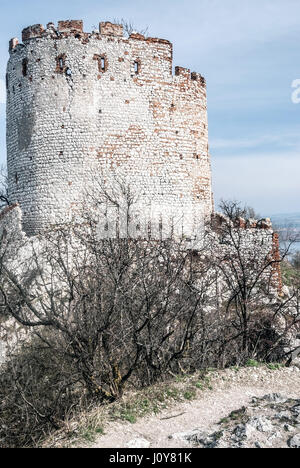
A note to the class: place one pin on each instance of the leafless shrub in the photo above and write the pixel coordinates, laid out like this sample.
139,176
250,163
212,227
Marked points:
233,210
106,314
117,311
37,390
256,321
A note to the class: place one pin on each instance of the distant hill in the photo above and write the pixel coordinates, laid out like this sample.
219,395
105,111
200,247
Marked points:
286,220
288,223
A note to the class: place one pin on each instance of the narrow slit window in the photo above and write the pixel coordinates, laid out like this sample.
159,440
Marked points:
136,67
61,63
102,62
25,67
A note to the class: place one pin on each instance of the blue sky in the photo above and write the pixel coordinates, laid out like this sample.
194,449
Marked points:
249,52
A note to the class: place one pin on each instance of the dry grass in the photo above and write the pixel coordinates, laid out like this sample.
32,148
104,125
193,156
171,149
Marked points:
88,425
82,429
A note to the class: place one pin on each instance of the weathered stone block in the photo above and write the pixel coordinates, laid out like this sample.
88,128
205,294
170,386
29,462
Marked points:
32,31
70,26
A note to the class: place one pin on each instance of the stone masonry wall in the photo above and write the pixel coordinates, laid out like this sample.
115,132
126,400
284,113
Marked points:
18,252
254,240
82,106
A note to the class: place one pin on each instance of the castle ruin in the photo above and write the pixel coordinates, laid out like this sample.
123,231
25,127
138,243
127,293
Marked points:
87,107
81,105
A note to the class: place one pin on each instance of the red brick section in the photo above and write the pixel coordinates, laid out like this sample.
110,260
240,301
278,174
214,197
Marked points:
13,43
137,36
154,40
110,29
70,26
276,266
32,31
149,40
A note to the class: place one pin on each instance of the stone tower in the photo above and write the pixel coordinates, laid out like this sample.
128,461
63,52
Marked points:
83,104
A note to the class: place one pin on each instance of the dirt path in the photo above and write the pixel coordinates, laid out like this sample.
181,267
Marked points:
231,390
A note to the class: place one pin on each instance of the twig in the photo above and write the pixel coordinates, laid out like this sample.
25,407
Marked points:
175,416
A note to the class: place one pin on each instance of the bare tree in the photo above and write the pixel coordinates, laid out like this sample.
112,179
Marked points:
249,271
117,306
101,314
233,209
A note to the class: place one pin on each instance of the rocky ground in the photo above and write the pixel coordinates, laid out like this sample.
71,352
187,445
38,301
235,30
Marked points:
272,421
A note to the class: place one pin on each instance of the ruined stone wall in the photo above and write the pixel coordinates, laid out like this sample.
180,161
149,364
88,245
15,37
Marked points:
21,254
255,241
87,105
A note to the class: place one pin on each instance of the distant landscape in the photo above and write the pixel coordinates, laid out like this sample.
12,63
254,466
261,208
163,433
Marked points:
284,222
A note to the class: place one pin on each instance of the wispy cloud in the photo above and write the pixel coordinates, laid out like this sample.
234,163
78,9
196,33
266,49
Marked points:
270,185
217,25
273,142
2,92
237,143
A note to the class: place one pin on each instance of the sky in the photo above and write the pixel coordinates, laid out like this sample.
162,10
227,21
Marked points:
249,53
